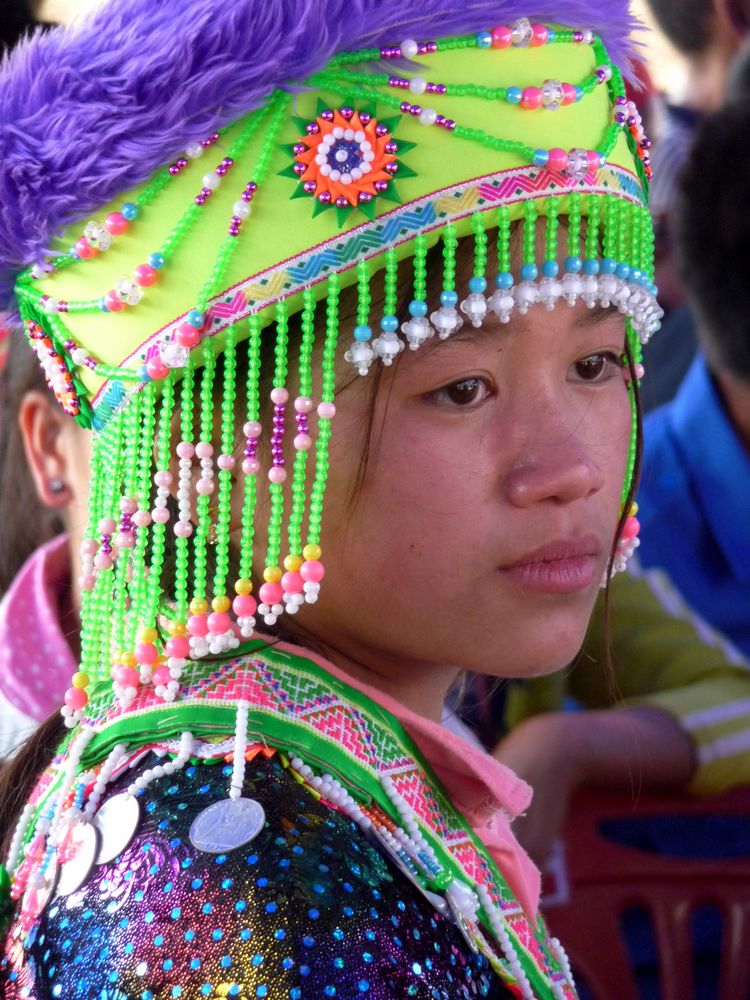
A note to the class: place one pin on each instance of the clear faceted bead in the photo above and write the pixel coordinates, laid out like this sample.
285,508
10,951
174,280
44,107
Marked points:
550,290
128,291
474,307
387,346
527,295
446,321
361,355
552,94
578,163
417,330
174,355
521,33
97,235
502,304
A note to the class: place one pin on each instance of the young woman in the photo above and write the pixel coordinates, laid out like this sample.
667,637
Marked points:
255,797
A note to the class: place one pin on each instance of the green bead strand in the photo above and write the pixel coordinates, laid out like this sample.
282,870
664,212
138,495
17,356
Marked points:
592,226
324,423
247,533
364,297
420,268
450,242
276,490
390,281
138,590
299,497
182,545
529,232
503,239
203,502
551,230
574,225
159,531
480,244
224,476
123,566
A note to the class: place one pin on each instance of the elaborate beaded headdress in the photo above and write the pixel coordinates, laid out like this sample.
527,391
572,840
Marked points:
302,172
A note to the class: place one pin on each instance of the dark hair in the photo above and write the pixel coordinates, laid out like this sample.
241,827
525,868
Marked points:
712,236
25,523
686,23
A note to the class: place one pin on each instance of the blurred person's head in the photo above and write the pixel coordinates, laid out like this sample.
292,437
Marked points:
712,231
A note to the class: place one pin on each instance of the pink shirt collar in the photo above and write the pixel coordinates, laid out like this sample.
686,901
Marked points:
36,662
487,792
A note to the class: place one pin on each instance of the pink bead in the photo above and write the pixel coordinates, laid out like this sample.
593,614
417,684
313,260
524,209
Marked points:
225,462
107,525
539,34
204,487
251,466
163,479
558,160
124,540
113,302
127,676
197,625
183,529
145,275
219,622
631,528
185,449
89,547
156,369
595,161
146,653
102,561
531,98
160,515
292,583
187,335
569,93
302,442
501,37
244,605
84,249
277,474
327,410
162,676
303,404
116,223
279,396
178,646
76,698
312,571
204,449
252,429
142,518
128,505
87,581
271,593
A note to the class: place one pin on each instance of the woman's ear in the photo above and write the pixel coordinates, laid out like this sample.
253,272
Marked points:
42,424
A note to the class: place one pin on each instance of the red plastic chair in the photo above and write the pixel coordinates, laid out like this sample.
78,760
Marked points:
592,880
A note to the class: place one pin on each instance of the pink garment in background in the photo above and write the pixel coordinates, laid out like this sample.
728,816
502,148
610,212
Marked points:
36,662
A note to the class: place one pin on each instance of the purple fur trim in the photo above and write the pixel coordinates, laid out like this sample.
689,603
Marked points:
89,111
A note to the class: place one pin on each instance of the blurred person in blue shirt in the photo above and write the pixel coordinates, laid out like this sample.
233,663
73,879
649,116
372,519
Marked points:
695,488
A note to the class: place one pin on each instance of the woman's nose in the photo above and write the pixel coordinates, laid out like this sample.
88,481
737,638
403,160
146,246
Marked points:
557,467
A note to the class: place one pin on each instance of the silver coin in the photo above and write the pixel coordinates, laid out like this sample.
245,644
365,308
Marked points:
79,856
227,825
117,821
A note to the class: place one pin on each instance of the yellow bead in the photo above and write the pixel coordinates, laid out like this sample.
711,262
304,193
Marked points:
272,574
292,564
177,628
243,586
220,604
80,679
148,635
127,659
198,606
312,552
633,509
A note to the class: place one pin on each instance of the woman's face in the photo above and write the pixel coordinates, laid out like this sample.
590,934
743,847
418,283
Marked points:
490,500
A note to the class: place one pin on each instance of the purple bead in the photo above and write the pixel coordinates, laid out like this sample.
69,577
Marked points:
199,199
365,117
381,186
309,187
341,201
251,186
449,124
620,117
381,130
416,110
327,115
391,168
182,163
228,162
632,121
391,147
577,36
298,147
206,143
440,120
324,198
313,128
364,197
404,108
173,169
299,168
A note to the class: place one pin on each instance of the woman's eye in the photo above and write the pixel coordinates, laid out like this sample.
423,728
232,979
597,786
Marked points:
599,367
467,392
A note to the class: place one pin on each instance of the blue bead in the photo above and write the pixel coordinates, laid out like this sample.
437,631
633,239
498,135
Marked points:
477,284
529,272
636,276
143,374
504,280
73,253
196,318
579,94
540,158
550,269
156,260
130,211
448,298
389,324
622,271
573,264
551,35
513,95
484,40
362,332
103,305
590,266
417,308
608,266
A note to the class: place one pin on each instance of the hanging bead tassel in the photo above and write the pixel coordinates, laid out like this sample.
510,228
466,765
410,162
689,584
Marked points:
417,329
446,319
361,353
475,306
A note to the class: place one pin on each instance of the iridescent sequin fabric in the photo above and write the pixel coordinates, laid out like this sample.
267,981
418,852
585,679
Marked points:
308,910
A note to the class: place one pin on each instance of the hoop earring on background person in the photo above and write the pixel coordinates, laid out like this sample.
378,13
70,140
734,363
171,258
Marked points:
142,324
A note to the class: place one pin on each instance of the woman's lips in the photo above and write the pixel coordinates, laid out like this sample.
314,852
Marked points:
564,566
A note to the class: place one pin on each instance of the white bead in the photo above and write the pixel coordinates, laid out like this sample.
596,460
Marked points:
194,151
211,181
427,116
409,48
417,85
242,209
